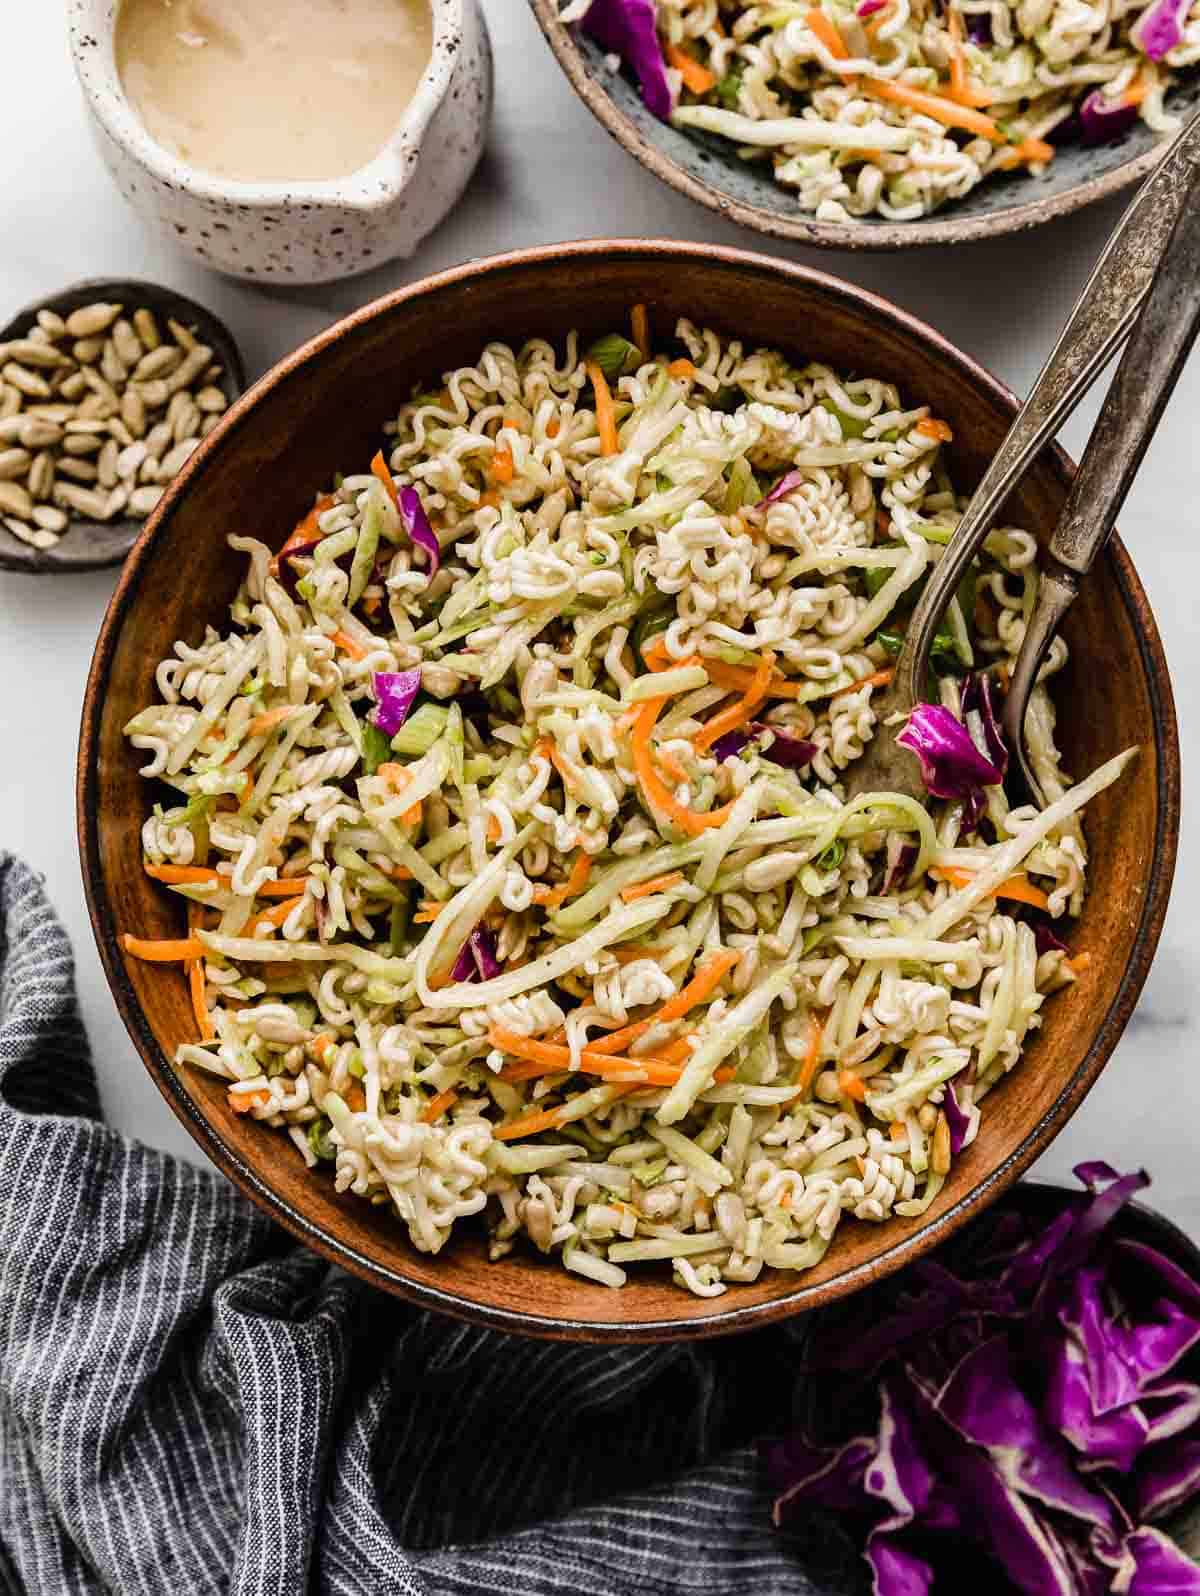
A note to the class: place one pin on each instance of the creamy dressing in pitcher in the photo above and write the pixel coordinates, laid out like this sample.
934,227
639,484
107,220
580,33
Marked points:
273,90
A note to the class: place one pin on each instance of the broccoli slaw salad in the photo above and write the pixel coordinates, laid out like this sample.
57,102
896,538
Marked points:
507,810
894,107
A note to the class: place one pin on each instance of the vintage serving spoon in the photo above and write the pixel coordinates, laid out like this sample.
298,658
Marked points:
1145,288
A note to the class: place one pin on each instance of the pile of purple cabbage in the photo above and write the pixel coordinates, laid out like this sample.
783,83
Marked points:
1015,1404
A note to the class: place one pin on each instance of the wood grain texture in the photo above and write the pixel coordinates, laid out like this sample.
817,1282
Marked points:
320,411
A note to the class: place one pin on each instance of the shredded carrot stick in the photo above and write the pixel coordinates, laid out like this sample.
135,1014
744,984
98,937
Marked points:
631,955
1080,963
935,105
549,1118
182,875
321,1044
287,888
438,1105
502,469
655,654
428,911
871,28
643,889
807,1072
306,530
489,500
696,77
348,644
493,829
1018,887
398,777
548,1058
166,952
380,470
737,714
932,428
569,778
898,1131
196,982
670,764
243,1102
1030,152
681,368
875,679
961,90
741,676
606,422
553,427
269,719
639,329
851,1085
1135,93
658,794
356,1098
820,26
552,897
278,913
702,985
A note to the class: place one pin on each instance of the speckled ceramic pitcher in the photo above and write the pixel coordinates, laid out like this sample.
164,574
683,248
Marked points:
301,232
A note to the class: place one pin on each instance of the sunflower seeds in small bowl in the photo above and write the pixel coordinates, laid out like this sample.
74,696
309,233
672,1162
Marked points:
106,390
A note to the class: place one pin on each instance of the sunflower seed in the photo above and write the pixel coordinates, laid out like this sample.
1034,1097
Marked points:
49,518
177,459
939,1152
118,430
41,475
129,461
158,439
32,353
126,342
92,319
194,362
112,366
147,329
187,421
83,425
73,385
10,401
183,336
160,362
87,351
101,387
86,500
52,412
81,443
14,464
212,401
51,324
38,335
25,381
37,537
207,425
106,464
143,500
15,500
78,470
148,471
96,408
154,394
133,411
213,374
34,433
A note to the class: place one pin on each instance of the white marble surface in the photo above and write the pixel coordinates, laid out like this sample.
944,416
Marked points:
551,173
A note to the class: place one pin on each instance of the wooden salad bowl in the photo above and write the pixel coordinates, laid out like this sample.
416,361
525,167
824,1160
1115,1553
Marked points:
320,411
711,170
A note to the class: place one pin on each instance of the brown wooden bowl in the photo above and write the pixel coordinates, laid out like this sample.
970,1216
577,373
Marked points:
319,411
710,170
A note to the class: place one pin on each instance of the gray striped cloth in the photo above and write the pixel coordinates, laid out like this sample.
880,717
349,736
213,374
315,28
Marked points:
190,1403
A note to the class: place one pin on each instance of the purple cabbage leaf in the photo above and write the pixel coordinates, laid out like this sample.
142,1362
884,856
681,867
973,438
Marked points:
628,28
394,695
1159,29
951,765
1102,119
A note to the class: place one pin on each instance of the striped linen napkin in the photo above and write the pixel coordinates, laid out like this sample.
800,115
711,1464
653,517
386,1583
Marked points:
191,1403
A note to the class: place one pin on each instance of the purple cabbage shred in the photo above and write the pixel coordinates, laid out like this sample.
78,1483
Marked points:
628,28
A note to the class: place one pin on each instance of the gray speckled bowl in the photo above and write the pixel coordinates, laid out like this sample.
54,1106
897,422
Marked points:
707,168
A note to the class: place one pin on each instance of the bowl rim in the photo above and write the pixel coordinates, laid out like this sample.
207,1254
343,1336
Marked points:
883,237
731,1318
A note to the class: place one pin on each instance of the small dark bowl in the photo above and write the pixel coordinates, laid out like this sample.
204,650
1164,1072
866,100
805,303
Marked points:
709,170
320,410
92,545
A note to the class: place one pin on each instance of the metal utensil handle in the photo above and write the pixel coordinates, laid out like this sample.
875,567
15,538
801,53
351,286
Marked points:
1103,316
1149,369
